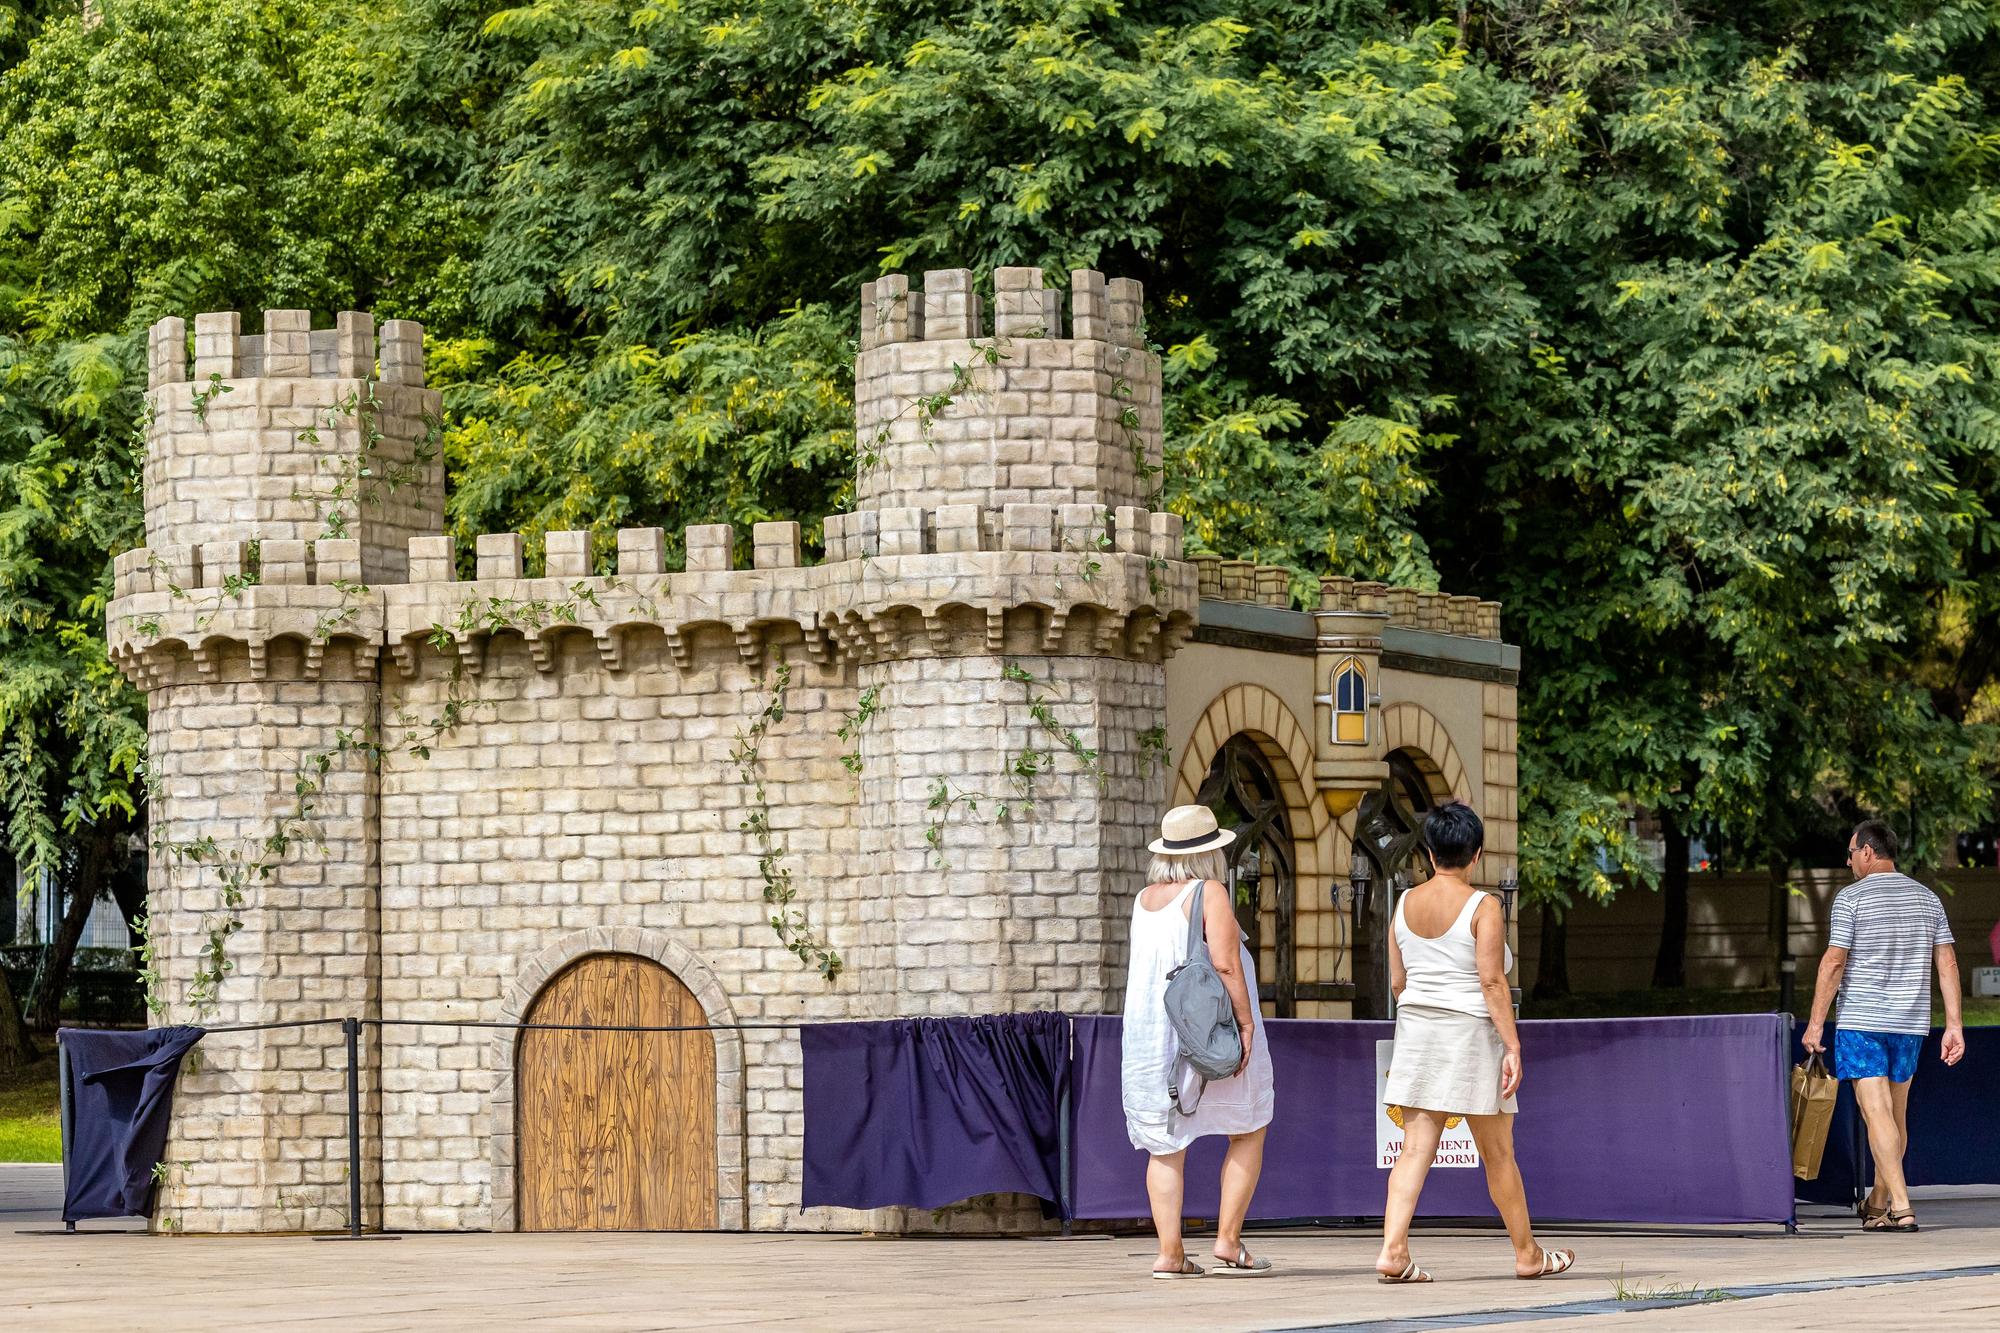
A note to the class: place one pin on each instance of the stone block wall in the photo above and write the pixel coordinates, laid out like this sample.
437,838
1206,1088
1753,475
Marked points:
1501,769
259,1140
578,800
592,789
1014,894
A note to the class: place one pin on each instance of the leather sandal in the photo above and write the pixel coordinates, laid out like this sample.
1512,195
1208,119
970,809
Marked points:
1891,1220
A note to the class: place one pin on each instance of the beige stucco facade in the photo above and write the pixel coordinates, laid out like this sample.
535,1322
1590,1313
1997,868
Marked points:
935,755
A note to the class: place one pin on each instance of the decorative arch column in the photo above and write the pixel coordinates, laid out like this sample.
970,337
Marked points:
701,981
1320,845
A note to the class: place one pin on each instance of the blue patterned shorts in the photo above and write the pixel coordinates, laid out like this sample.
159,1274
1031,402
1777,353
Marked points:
1876,1055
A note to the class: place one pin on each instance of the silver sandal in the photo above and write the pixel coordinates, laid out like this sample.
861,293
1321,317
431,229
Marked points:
1243,1265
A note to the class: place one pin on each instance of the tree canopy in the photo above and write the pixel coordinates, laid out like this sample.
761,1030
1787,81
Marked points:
1669,324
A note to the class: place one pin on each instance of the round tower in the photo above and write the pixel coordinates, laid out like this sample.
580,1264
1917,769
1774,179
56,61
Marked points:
948,413
293,434
1015,594
284,475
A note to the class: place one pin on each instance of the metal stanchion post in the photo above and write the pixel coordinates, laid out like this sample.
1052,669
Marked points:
350,1028
1063,1191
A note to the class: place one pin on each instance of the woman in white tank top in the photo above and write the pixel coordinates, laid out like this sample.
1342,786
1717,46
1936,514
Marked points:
1189,854
1457,1052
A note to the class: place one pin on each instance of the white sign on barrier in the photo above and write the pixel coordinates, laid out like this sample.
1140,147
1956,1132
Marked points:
1456,1148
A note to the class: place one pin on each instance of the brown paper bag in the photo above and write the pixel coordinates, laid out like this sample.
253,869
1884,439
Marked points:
1813,1094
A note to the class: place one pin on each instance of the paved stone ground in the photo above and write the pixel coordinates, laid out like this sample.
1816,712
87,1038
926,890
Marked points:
1322,1280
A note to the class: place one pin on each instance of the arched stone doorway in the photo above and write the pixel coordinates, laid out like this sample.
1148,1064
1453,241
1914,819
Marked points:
616,1130
1245,792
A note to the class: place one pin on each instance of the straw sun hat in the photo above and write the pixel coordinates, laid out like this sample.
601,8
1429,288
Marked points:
1188,829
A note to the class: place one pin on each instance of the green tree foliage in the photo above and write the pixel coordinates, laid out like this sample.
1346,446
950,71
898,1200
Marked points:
1669,323
1285,180
1758,389
721,425
171,157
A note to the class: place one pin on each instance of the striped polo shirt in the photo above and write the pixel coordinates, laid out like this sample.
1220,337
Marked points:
1890,925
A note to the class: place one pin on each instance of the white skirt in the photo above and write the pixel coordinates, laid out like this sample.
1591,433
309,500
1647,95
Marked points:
1447,1061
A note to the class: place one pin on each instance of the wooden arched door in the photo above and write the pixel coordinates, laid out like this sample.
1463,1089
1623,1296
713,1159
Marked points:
616,1130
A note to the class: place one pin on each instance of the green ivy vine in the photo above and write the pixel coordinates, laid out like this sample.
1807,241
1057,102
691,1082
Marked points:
788,920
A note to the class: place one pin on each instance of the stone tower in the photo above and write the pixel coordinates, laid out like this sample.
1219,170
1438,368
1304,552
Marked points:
283,474
1016,601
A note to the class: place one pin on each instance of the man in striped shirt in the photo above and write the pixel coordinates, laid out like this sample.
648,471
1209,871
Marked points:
1886,932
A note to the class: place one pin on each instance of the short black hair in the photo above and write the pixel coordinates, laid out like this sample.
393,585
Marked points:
1454,835
1878,837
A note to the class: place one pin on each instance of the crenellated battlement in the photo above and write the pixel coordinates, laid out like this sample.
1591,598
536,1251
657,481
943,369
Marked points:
1413,608
1073,584
289,348
1077,528
1407,608
949,308
292,434
864,604
276,563
186,613
951,410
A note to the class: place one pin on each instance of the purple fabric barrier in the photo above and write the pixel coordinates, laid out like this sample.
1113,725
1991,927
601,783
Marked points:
1668,1120
927,1111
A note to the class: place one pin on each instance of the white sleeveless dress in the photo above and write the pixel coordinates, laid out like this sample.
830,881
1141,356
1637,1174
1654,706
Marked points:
1229,1106
1447,1053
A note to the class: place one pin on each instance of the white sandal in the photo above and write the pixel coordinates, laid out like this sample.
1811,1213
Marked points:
1188,1268
1553,1262
1412,1273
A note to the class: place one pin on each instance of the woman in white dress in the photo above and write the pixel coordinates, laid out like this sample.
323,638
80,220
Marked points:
1188,854
1457,1050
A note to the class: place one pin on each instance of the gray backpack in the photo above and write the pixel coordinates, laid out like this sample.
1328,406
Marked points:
1202,1018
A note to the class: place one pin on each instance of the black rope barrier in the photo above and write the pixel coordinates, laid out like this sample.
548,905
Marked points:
584,1027
350,1029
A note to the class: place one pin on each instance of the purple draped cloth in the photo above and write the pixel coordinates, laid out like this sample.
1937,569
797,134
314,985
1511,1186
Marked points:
924,1112
1669,1120
121,1096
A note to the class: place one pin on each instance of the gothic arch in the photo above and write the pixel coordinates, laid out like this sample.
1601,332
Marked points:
730,1204
1412,727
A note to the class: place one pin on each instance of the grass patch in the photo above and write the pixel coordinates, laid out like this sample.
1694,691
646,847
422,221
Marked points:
29,1130
1687,1292
1979,1011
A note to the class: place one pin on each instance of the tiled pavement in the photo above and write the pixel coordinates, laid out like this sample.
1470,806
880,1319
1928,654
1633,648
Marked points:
1322,1279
